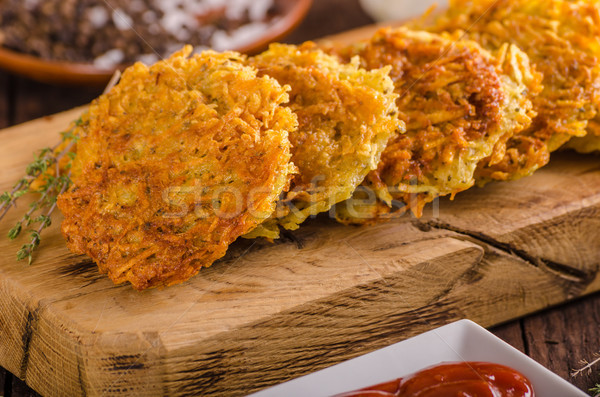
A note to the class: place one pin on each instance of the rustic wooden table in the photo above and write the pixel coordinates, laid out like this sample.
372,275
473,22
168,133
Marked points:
559,338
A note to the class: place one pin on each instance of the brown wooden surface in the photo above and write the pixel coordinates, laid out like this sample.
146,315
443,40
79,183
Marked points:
558,337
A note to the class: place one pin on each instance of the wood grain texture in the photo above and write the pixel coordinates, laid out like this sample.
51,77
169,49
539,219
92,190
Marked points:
5,99
574,327
4,122
511,333
270,312
563,337
32,99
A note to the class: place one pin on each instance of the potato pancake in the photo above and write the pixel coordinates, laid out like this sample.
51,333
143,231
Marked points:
174,163
562,40
346,116
589,143
458,107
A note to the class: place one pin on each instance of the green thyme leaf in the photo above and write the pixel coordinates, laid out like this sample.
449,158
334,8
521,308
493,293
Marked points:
19,193
23,252
45,220
40,211
15,231
5,197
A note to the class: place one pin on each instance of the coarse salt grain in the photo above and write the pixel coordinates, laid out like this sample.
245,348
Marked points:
181,16
177,22
121,20
98,16
240,37
148,59
149,17
259,9
220,24
109,59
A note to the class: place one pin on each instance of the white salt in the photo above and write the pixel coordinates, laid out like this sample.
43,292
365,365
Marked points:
98,16
149,17
181,16
240,37
177,22
121,20
148,59
109,59
259,9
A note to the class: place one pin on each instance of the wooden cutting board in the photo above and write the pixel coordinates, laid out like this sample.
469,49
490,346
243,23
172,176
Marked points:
270,312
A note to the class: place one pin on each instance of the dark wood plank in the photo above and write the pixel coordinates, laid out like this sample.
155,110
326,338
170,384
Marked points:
560,338
5,92
329,17
20,389
33,99
3,388
511,333
5,100
22,100
375,287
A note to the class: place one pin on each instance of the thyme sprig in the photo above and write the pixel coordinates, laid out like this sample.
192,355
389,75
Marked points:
44,221
49,185
587,367
39,215
39,165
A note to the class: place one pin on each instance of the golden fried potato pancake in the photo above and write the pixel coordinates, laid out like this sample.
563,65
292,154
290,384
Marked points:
459,109
173,164
589,143
346,116
562,40
585,144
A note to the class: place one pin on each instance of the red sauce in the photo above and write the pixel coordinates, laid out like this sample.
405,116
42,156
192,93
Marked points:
465,379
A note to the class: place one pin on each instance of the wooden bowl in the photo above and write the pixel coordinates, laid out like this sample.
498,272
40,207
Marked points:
73,73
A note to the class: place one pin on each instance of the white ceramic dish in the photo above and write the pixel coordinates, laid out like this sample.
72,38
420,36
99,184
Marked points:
460,341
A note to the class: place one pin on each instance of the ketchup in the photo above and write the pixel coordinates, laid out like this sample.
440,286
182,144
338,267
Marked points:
464,379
